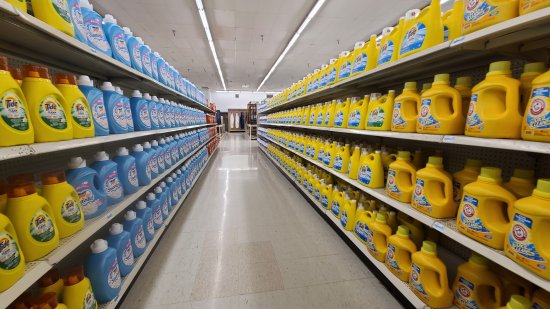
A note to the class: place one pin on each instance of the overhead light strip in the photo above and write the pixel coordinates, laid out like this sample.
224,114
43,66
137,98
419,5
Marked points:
251,92
204,21
295,37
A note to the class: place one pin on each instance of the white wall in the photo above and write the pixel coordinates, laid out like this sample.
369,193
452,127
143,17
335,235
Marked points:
225,100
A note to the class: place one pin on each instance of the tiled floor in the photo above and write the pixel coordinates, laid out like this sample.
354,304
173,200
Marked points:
247,239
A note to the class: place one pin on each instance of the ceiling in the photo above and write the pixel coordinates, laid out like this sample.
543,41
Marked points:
249,35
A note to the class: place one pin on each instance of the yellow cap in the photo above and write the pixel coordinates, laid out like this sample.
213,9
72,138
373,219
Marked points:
380,218
426,86
490,174
464,81
474,163
500,67
543,188
534,67
404,155
524,173
435,161
410,86
478,260
441,79
429,247
518,302
403,230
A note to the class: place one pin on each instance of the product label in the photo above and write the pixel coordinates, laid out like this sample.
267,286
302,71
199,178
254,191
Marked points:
89,203
345,70
165,207
161,161
99,113
89,300
359,63
521,244
78,20
175,195
96,36
324,200
112,185
339,119
361,230
41,227
9,252
376,118
474,123
344,218
419,199
326,158
477,12
154,67
128,254
335,208
139,240
119,114
386,52
469,220
157,216
153,164
62,9
128,113
365,175
391,261
320,118
445,33
136,55
70,209
338,163
52,113
146,61
113,279
13,112
119,42
391,185
397,121
426,120
133,176
413,39
331,76
354,118
154,116
464,294
150,226
327,118
80,114
311,119
416,285
537,119
144,116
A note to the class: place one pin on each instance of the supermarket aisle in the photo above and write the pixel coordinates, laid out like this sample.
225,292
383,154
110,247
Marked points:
247,239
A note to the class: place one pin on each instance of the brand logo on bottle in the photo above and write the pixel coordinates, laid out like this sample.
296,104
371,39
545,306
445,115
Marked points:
9,252
78,20
70,210
113,279
13,112
52,113
120,46
41,227
80,114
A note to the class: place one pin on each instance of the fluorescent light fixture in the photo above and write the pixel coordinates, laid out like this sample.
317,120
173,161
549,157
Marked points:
444,1
295,37
252,92
210,41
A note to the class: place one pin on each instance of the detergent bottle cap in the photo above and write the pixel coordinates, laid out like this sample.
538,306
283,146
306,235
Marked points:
500,67
358,45
140,40
151,196
478,260
442,79
76,162
16,73
122,151
157,190
138,148
162,100
141,205
64,79
344,53
426,86
101,156
429,247
45,301
411,14
107,86
404,155
130,215
435,161
50,278
99,245
118,90
136,94
473,164
162,141
534,67
109,19
386,31
518,302
32,71
21,185
52,178
543,188
86,4
464,81
410,86
169,180
84,80
3,63
154,143
173,175
76,275
156,54
403,231
524,174
380,218
127,31
492,174
147,96
333,61
116,228
155,99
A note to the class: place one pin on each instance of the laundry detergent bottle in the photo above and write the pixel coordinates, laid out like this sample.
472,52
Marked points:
153,111
143,167
76,105
145,58
140,112
87,184
341,160
78,21
371,170
467,175
354,163
114,104
464,86
94,29
127,109
405,109
19,4
358,112
379,112
364,56
378,232
134,226
134,49
421,30
155,205
107,171
401,176
146,215
400,250
485,13
521,183
103,270
433,192
117,40
152,160
94,98
530,72
54,13
12,265
159,154
119,239
452,21
51,282
390,42
77,291
536,122
127,171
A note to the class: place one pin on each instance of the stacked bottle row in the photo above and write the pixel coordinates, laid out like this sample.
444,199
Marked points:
213,145
407,249
416,31
78,19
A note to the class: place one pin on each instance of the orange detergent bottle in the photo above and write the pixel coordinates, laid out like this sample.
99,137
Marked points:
494,110
464,86
441,109
480,14
78,290
405,109
528,6
536,121
48,301
521,183
433,192
541,299
486,208
400,250
467,175
401,176
530,72
377,233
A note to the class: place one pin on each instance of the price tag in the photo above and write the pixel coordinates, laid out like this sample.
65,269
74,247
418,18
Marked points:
109,216
449,139
457,41
438,226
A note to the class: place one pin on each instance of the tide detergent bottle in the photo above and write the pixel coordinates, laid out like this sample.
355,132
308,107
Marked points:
347,215
77,290
441,109
15,126
117,40
429,279
464,86
86,182
127,171
54,13
530,72
433,192
146,215
32,218
358,112
378,232
482,14
467,175
371,170
153,111
127,109
486,209
494,104
421,30
400,250
145,58
119,239
401,176
390,42
536,122
46,103
134,49
103,270
95,100
64,202
140,112
452,21
107,171
522,182
476,285
364,56
76,105
143,165
12,267
116,113
379,112
78,21
405,109
51,282
134,226
156,208
94,29
342,113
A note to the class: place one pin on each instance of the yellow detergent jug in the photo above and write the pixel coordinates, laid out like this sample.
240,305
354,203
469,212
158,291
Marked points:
341,160
518,302
338,200
530,72
452,22
342,113
46,103
305,115
479,14
19,4
363,217
390,43
64,202
513,284
416,228
15,124
358,112
441,109
419,159
54,13
326,196
323,74
312,115
400,250
371,170
329,114
405,109
364,56
426,86
536,121
429,279
433,192
347,215
527,238
78,290
24,206
391,217
541,299
494,110
377,233
344,65
467,175
51,282
528,6
12,262
332,72
387,159
486,209
421,30
76,105
329,153
401,176
321,111
476,285
464,86
379,112
521,183
354,163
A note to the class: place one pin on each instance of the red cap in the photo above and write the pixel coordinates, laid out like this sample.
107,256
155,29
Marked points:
75,276
64,78
16,73
53,177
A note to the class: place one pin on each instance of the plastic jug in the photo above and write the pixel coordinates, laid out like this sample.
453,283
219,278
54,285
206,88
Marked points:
530,72
416,228
116,112
358,112
155,205
313,115
153,111
344,65
161,112
464,86
329,153
86,182
364,56
452,21
127,171
119,239
347,215
15,126
94,29
77,21
338,200
362,218
19,4
513,284
174,197
54,13
78,290
140,112
152,160
159,155
486,209
332,72
467,175
354,163
134,226
127,109
103,271
51,282
134,49
371,170
405,109
330,113
476,285
377,233
46,103
76,105
387,159
342,113
379,112
390,43
484,13
341,160
96,103
166,152
145,58
541,299
107,171
427,86
321,111
518,302
401,176
429,277
433,192
441,109
421,30
162,193
536,125
494,110
117,40
154,65
12,265
146,215
326,196
64,202
521,183
143,165
400,250
528,6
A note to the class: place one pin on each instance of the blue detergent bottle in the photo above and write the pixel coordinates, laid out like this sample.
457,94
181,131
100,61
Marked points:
140,112
164,198
134,226
161,108
179,180
142,165
117,39
174,198
146,215
158,108
87,184
181,145
134,48
159,155
108,177
161,64
127,109
97,105
153,111
94,29
103,271
174,142
152,160
171,117
115,109
156,209
119,239
78,21
127,171
154,65
166,152
145,57
177,186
